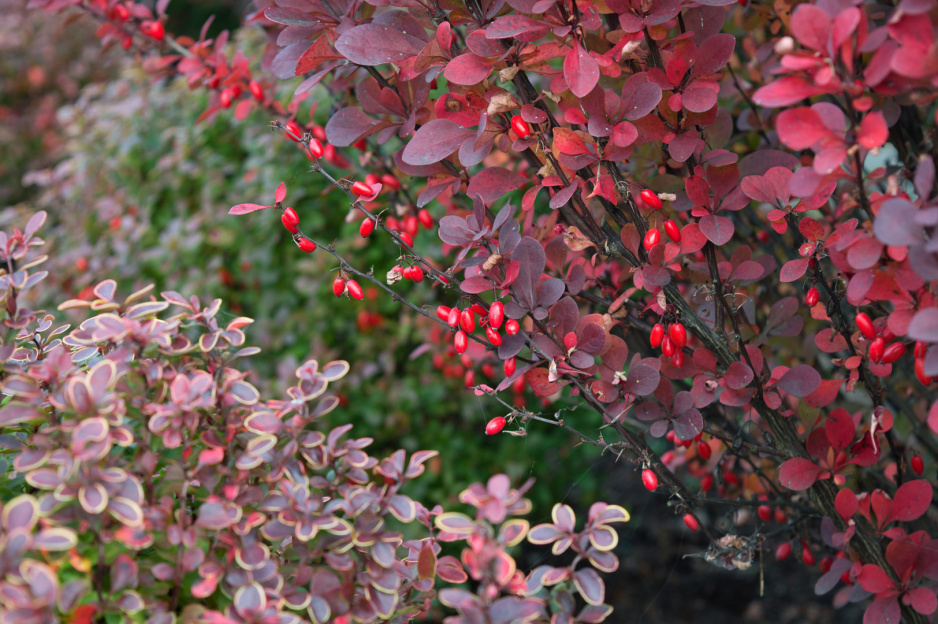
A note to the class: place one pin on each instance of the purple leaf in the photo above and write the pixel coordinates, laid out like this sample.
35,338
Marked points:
493,183
924,325
718,230
895,224
800,381
793,269
375,44
435,140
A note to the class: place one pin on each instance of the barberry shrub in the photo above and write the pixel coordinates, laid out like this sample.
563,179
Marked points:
787,154
147,481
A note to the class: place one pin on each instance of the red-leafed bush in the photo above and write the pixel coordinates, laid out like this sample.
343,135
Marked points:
784,320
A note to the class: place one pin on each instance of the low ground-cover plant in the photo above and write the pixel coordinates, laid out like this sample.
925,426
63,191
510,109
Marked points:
147,481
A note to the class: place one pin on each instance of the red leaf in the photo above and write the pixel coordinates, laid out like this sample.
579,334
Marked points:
874,579
800,128
542,387
580,70
375,44
846,503
493,183
811,27
799,473
800,381
281,193
785,92
718,230
793,269
923,600
242,209
873,132
840,429
911,501
467,69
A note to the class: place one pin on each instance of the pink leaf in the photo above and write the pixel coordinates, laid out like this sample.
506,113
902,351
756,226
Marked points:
281,193
242,209
799,473
873,132
493,183
800,381
793,269
785,92
434,141
718,230
922,599
874,579
580,70
800,128
467,69
883,611
911,501
846,504
375,44
811,27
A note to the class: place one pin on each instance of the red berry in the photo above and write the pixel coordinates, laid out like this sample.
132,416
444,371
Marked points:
704,450
469,379
453,319
426,220
512,327
521,127
290,220
319,132
877,347
494,337
496,314
783,551
256,90
152,29
467,320
126,41
691,522
652,238
865,325
649,197
657,335
338,287
479,310
765,513
806,555
495,425
226,97
406,239
893,352
371,179
762,236
920,372
235,90
918,465
672,230
408,272
678,359
649,479
511,364
411,224
361,189
391,182
569,341
442,312
416,274
294,132
361,145
812,297
780,515
120,13
315,148
306,245
825,565
920,349
678,335
706,482
367,227
461,342
355,291
667,347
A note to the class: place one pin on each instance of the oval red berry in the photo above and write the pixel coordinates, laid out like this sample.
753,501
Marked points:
877,347
338,287
649,479
918,464
306,245
425,218
672,230
667,347
652,238
510,366
657,335
355,290
521,127
315,148
496,314
865,325
467,320
256,90
460,342
678,335
893,352
649,197
494,337
812,297
783,551
367,227
290,220
294,132
691,522
391,182
453,318
512,327
495,425
361,189
704,450
765,513
406,239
